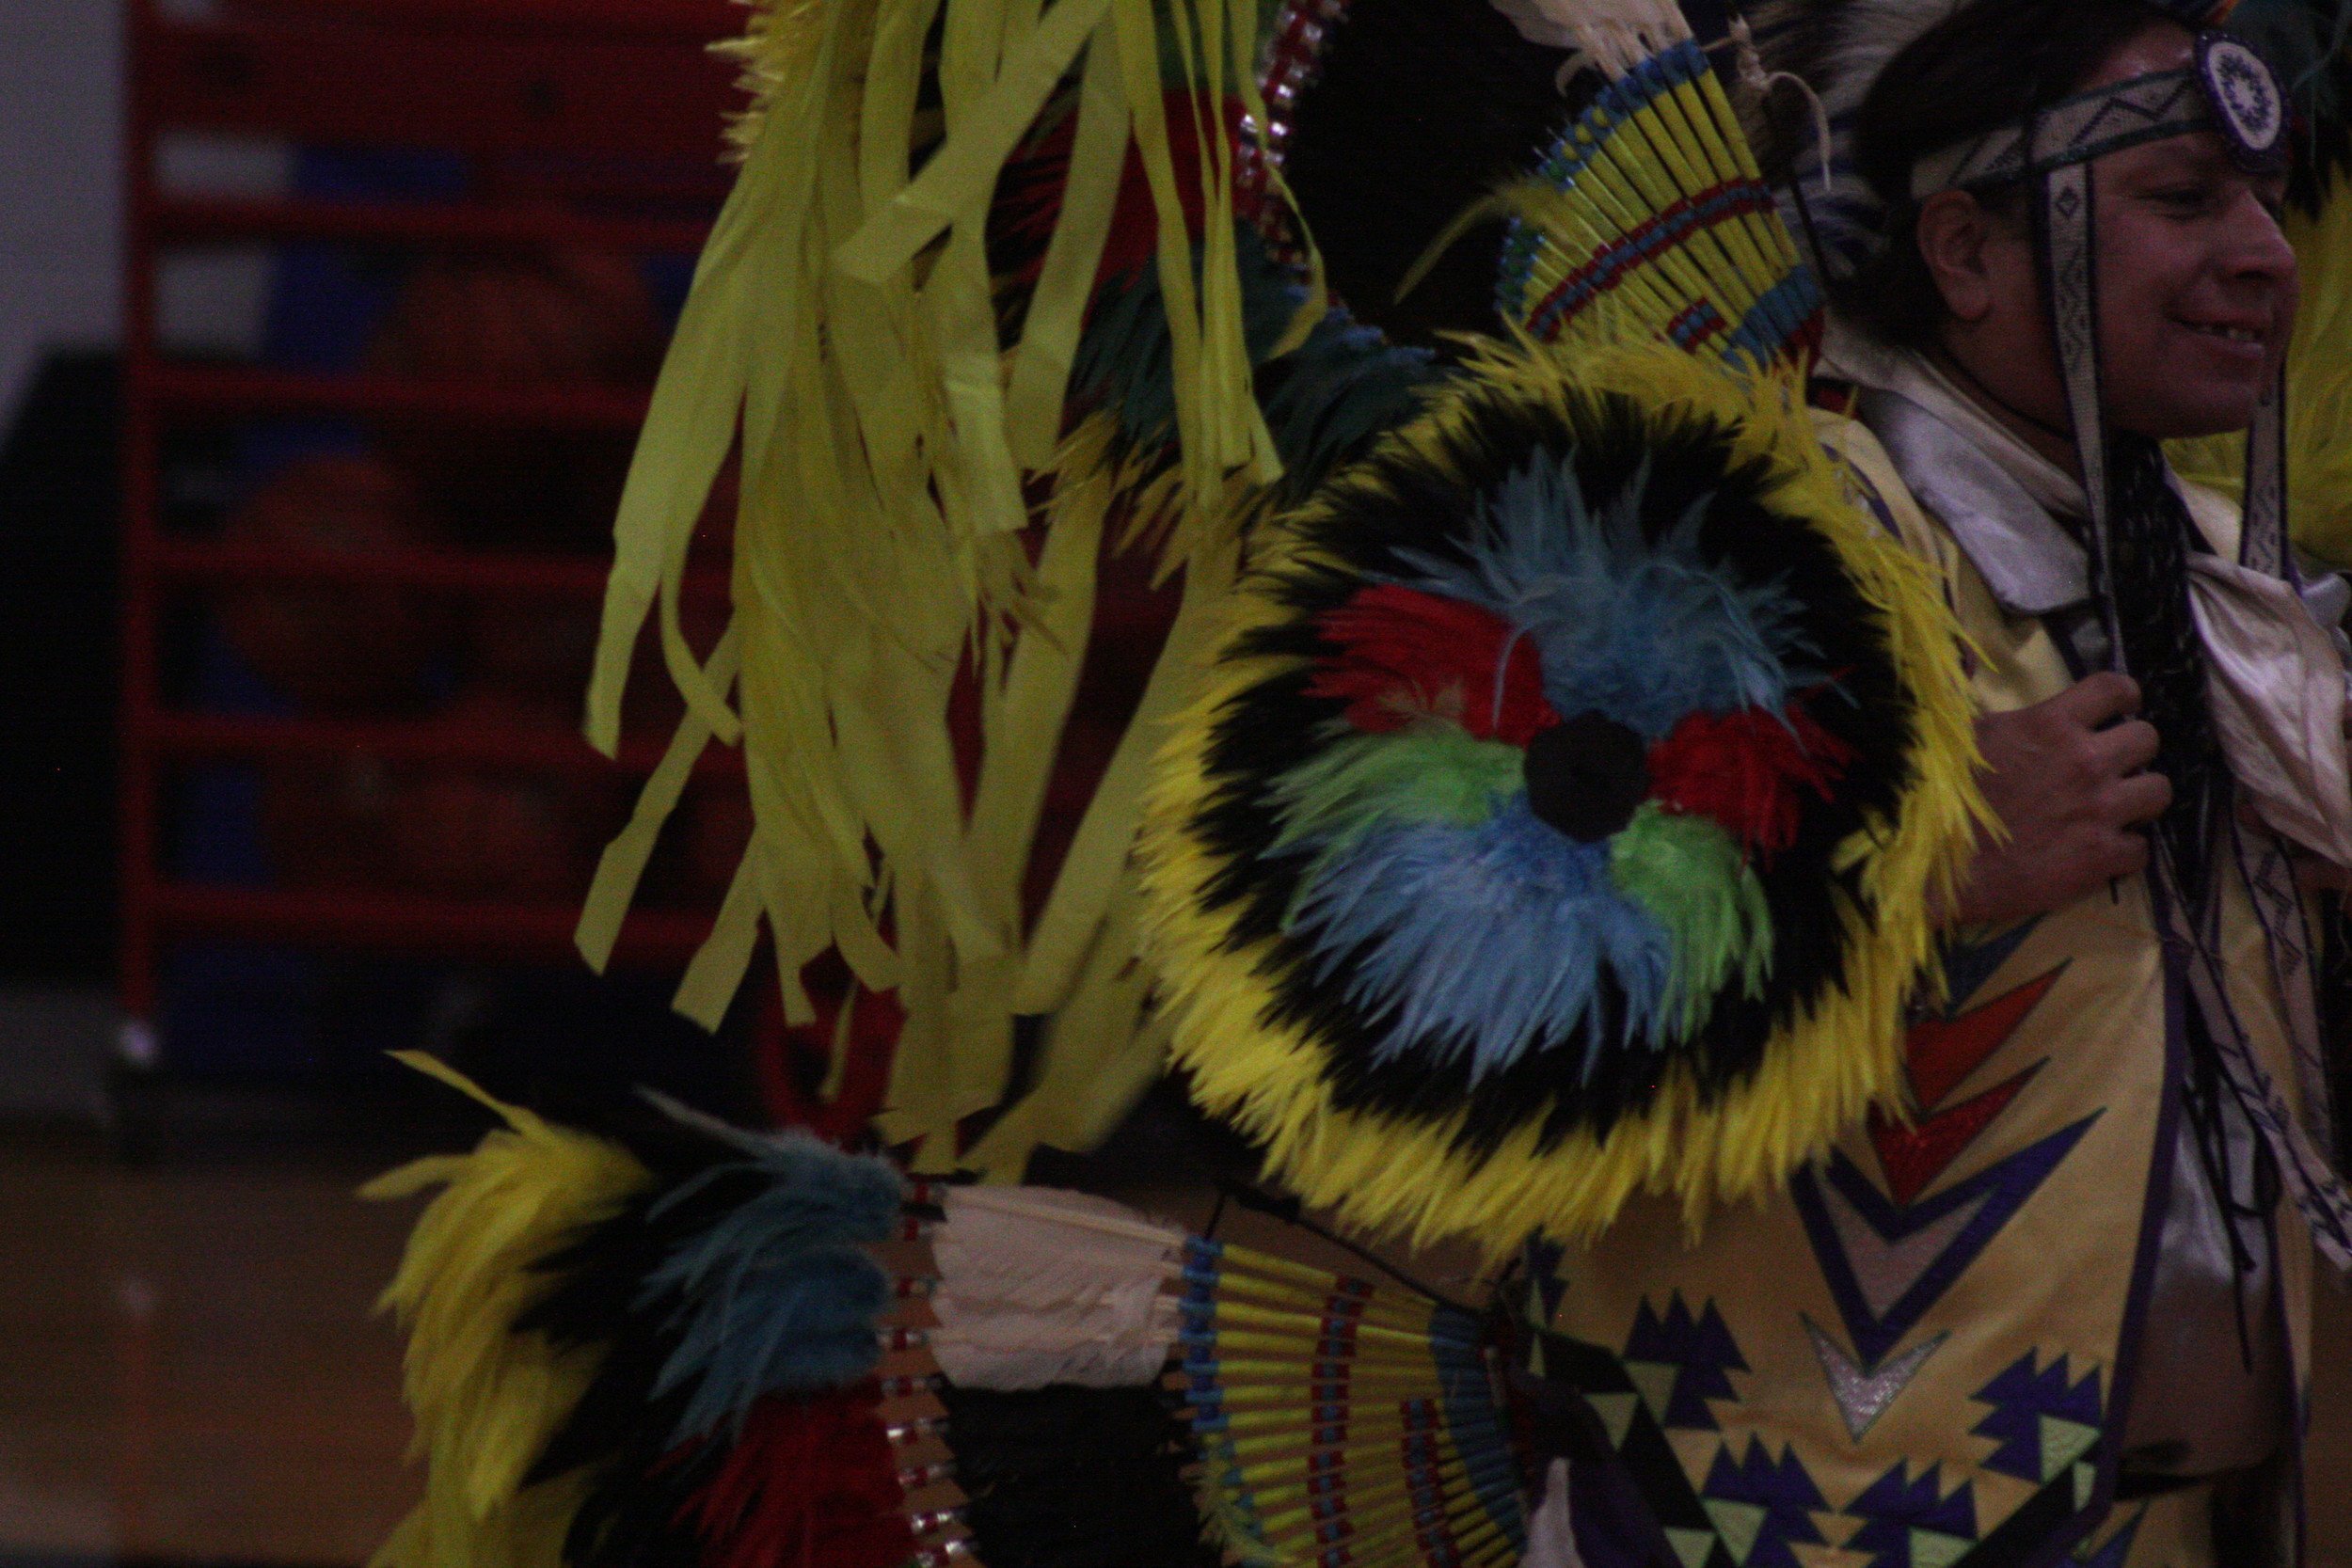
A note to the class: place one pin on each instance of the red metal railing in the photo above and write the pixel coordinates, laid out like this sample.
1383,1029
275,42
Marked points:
572,113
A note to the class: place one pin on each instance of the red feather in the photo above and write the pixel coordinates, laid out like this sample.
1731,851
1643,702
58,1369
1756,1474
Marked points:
812,1483
1405,655
1748,771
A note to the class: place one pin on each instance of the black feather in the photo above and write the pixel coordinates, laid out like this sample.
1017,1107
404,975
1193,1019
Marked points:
1076,1478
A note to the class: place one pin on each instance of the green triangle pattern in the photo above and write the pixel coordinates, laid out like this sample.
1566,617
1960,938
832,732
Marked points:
1690,1546
1932,1548
1656,1379
1739,1524
1616,1413
2085,1483
2062,1443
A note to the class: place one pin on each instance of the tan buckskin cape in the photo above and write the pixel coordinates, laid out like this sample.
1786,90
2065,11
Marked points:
1920,1356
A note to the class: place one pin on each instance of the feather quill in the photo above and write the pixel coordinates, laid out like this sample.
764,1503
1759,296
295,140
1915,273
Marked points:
1614,35
1040,1287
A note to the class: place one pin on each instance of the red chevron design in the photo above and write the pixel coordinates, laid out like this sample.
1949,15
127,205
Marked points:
1942,1052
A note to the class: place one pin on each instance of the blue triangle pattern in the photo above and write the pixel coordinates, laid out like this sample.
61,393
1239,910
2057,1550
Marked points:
1782,1488
1702,1351
2004,1186
1969,966
2020,1397
1896,1504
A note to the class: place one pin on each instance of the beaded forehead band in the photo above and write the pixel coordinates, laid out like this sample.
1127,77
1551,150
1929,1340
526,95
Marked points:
2230,89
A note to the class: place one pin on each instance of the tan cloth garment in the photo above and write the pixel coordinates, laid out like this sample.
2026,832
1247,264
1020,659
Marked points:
2211,1396
2277,689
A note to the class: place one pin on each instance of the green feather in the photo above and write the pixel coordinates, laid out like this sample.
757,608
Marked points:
1432,773
1690,876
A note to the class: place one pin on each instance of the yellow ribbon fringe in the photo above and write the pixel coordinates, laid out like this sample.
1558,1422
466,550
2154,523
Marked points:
841,337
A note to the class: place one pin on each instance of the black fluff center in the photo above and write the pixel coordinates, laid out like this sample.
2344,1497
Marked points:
1587,776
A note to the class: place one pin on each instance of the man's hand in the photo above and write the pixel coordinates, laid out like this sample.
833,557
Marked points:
2071,796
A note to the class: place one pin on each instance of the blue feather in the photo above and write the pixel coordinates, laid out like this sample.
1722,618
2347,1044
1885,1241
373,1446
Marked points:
816,1194
1639,630
1483,940
774,1294
1126,359
1327,399
778,1324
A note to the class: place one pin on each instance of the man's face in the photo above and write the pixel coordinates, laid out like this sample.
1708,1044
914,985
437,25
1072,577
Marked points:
2196,283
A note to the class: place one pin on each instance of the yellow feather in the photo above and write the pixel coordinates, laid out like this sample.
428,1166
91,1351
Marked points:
485,1399
1818,1075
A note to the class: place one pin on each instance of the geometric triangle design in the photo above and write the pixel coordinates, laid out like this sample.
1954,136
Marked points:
1657,1384
1908,1521
2085,1483
2043,1418
1942,1052
1969,967
2062,1443
1739,1524
1616,1415
1694,1347
1914,1157
1884,1271
1932,1549
1690,1546
1762,1506
1881,1317
1864,1394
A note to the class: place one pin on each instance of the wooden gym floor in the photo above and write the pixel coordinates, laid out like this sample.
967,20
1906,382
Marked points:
189,1370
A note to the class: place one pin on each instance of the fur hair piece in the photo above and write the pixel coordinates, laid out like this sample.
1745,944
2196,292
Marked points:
1039,1286
1837,48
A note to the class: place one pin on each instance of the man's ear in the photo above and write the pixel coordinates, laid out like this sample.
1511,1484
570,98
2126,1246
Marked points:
1952,232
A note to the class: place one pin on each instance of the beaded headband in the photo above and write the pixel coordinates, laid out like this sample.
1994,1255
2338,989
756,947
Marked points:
2230,89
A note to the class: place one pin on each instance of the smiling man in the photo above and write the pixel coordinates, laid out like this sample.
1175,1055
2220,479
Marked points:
2082,260
2065,1309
